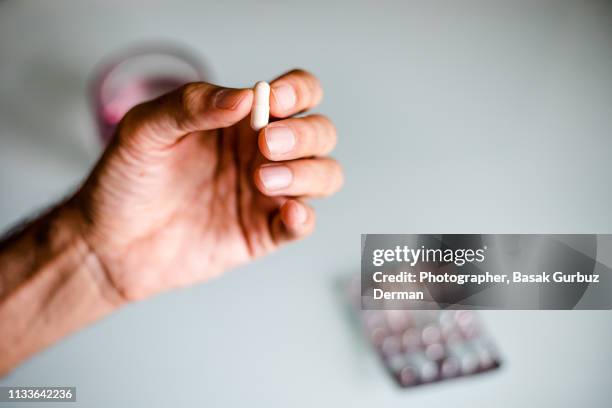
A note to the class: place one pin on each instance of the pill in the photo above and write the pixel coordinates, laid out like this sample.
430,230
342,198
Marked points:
260,113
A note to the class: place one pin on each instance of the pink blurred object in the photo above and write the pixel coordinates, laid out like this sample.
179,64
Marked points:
136,76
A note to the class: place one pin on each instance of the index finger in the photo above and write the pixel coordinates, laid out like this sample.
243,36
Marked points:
294,92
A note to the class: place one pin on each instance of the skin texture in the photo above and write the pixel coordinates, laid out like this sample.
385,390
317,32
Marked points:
182,194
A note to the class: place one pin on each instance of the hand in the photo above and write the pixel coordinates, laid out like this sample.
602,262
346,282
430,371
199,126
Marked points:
186,190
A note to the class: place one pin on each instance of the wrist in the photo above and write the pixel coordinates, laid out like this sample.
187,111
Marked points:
51,285
73,223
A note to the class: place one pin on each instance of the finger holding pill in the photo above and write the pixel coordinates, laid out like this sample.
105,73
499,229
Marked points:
294,92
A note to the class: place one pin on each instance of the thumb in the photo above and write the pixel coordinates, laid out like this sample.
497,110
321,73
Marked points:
192,107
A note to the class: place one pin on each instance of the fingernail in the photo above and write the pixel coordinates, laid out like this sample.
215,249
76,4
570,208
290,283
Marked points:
228,98
280,139
300,213
275,177
285,96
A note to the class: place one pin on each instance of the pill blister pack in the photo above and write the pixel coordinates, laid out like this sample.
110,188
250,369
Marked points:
424,346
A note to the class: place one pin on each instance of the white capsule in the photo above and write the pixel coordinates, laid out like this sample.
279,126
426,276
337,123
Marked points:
260,113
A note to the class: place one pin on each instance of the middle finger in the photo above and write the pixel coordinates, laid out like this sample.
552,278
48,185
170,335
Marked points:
295,138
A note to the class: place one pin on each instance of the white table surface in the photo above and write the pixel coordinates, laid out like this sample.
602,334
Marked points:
481,117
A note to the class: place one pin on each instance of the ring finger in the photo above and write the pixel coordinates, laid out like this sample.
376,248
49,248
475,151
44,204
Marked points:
307,177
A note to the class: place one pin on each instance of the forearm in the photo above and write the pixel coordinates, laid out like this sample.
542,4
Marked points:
51,284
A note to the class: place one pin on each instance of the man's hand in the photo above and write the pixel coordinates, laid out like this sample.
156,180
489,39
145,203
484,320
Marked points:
187,190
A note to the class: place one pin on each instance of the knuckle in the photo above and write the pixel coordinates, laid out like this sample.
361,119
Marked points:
319,118
307,85
313,171
326,171
316,91
192,99
333,137
299,72
336,178
313,87
189,97
326,134
331,128
314,129
131,123
129,120
341,177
